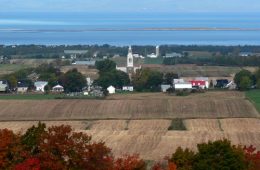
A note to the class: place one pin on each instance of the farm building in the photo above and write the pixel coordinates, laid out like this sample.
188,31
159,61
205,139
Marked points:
22,87
165,87
128,88
111,90
222,83
39,85
206,79
181,86
58,88
178,81
198,83
4,86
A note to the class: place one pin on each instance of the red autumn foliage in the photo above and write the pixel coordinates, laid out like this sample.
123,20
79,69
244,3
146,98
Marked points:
252,157
29,164
128,162
10,148
170,166
63,149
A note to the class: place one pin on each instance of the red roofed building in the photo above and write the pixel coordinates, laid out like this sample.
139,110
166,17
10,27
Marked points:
198,83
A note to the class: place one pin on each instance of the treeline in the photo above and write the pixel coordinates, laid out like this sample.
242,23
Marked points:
60,148
215,61
246,80
108,50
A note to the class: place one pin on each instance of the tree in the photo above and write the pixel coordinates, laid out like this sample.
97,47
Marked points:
61,147
219,155
73,81
184,159
146,79
168,77
32,137
10,149
258,84
240,75
252,157
105,65
129,162
29,164
115,78
12,81
245,83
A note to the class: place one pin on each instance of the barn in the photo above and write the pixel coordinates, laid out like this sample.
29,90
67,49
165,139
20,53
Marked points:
198,83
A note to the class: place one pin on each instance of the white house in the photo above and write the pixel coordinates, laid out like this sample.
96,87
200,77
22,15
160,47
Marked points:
128,88
58,88
39,85
111,90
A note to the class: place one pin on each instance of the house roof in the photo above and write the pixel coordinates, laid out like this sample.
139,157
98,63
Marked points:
40,83
58,86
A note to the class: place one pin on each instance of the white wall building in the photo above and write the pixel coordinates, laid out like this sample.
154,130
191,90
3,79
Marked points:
111,90
181,86
128,88
130,68
39,85
58,88
157,51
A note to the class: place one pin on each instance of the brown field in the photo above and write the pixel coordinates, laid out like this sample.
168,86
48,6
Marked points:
87,72
202,125
152,139
240,125
139,122
192,70
132,106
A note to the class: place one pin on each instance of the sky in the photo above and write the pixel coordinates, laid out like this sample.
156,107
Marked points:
130,5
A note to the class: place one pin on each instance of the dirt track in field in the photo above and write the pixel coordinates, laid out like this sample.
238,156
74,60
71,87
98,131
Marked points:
132,106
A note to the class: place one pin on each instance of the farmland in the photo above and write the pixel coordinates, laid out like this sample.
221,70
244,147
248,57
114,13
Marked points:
132,106
254,96
152,139
144,123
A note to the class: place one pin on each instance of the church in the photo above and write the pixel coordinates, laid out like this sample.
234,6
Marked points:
130,67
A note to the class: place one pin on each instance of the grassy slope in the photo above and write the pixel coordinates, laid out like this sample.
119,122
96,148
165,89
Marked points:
254,96
30,97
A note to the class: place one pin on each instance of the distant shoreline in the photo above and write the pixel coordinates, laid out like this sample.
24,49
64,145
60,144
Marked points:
130,29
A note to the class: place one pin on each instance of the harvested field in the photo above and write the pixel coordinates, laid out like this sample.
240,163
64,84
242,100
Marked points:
87,72
22,126
151,138
240,125
139,106
202,125
192,70
108,125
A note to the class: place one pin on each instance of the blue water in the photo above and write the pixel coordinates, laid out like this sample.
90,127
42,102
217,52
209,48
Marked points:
80,28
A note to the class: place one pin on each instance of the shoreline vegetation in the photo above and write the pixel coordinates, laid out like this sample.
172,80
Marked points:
133,29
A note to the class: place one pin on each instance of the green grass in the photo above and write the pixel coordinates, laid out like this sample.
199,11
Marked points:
29,96
254,97
153,60
9,68
177,124
41,97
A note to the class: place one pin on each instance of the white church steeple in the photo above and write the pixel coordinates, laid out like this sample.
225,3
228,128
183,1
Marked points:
130,58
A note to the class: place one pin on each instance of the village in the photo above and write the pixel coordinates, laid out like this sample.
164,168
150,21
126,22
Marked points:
170,83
